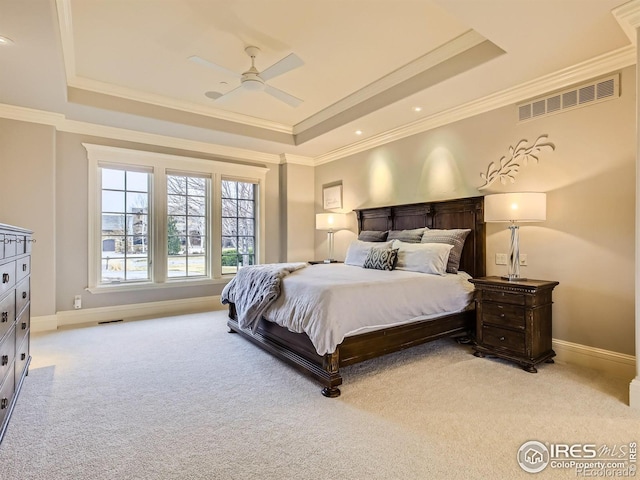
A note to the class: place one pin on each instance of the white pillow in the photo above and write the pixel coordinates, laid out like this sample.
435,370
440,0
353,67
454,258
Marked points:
423,257
358,251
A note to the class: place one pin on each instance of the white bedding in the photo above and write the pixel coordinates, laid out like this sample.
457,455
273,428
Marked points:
331,302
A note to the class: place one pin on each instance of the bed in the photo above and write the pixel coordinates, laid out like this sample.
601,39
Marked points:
299,351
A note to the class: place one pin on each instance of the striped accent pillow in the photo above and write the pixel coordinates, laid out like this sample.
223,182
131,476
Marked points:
455,237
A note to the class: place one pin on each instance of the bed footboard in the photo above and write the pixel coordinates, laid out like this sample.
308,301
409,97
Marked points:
297,350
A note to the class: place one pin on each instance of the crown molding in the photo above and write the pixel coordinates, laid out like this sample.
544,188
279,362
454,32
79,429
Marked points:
296,159
628,16
601,65
62,124
450,49
31,115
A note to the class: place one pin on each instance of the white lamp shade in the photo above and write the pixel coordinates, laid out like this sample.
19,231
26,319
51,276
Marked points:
331,221
515,207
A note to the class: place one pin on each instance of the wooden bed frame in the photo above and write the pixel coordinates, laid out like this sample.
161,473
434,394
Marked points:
296,348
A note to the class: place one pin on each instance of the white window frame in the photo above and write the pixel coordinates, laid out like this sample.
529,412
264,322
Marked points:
161,164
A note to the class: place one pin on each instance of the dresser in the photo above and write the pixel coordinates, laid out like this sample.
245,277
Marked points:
15,296
513,320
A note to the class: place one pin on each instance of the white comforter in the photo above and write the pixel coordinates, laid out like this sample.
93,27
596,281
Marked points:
331,302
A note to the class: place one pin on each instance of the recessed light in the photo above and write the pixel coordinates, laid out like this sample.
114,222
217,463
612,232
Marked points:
417,109
5,40
358,132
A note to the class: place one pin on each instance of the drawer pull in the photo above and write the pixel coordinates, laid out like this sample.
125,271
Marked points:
9,240
24,294
5,278
23,356
5,359
24,325
502,315
4,403
5,317
502,339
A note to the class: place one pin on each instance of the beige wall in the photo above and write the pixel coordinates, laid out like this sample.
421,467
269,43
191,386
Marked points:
587,242
27,199
297,213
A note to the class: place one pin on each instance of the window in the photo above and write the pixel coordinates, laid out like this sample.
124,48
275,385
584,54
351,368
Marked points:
238,225
161,220
187,226
125,225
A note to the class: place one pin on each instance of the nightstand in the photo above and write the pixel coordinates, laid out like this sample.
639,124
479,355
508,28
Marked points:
513,320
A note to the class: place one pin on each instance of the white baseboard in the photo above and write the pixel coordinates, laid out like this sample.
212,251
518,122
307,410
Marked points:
634,393
92,316
612,363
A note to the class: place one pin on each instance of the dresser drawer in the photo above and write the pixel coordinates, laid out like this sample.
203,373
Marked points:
7,353
23,268
503,338
503,297
22,295
10,246
6,395
7,277
22,359
503,314
7,312
23,325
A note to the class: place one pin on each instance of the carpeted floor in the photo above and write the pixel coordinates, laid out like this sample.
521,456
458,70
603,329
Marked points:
180,398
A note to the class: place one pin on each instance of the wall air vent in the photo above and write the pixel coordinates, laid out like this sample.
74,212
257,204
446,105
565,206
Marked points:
591,92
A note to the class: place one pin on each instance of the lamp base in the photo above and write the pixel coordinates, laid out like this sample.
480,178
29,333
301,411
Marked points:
513,279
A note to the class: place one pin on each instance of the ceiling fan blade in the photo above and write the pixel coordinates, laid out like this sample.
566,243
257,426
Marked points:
284,65
283,96
215,66
217,95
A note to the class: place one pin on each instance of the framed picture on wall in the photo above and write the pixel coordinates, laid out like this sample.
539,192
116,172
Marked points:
332,197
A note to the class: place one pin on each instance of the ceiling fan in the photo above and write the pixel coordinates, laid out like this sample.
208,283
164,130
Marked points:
255,80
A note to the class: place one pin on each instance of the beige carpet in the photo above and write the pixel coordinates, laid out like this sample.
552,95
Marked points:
180,398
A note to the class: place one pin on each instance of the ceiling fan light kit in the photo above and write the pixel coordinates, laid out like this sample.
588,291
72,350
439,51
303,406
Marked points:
253,79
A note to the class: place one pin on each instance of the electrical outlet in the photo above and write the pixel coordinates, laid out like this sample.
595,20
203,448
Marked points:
523,260
501,258
77,302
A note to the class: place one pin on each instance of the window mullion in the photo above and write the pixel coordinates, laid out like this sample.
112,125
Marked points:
216,226
159,213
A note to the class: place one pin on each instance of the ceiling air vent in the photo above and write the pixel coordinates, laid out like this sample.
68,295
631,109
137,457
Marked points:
592,92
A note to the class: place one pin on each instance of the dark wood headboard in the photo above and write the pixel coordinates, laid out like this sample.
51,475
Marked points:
458,213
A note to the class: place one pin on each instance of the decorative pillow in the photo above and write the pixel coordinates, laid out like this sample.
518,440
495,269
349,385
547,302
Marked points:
373,236
408,236
381,258
455,237
423,257
358,251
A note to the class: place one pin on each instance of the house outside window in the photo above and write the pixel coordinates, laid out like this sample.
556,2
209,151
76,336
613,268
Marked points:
158,220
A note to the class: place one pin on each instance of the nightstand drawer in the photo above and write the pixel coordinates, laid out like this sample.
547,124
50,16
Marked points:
503,338
503,297
503,314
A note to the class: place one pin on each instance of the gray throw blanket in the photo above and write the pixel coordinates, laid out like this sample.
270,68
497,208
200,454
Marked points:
254,288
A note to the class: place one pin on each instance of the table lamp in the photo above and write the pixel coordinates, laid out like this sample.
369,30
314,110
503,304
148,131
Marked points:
331,222
515,208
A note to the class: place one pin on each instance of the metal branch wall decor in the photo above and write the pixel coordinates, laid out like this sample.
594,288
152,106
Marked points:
509,165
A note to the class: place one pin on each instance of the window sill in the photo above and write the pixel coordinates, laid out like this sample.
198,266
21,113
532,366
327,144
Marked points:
132,287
